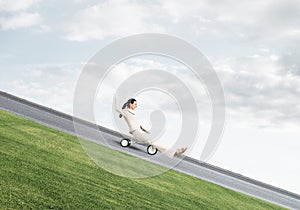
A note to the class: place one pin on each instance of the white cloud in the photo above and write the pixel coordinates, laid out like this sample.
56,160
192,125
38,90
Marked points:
111,18
21,14
47,84
20,20
258,93
16,5
177,10
293,32
242,12
252,21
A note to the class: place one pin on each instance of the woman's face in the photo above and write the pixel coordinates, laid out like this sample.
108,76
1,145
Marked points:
133,106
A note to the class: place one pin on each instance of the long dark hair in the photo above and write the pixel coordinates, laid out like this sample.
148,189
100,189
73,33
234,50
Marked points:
130,101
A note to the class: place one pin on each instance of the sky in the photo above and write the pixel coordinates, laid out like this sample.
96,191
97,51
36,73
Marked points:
252,45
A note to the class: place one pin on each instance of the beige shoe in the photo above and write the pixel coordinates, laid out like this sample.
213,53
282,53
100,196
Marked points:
180,151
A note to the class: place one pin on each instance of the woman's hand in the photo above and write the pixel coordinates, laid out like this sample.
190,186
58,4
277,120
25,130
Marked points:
144,130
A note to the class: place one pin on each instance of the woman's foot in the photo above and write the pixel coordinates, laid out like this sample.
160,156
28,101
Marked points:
180,151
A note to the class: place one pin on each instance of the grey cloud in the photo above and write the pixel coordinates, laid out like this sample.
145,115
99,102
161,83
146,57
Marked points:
284,13
270,97
290,61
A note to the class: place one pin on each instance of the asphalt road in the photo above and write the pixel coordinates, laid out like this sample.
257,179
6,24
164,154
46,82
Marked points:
193,167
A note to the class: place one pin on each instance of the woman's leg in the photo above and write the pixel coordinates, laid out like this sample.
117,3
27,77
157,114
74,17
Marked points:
144,137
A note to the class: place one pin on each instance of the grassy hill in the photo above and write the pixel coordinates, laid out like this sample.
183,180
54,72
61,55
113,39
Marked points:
42,168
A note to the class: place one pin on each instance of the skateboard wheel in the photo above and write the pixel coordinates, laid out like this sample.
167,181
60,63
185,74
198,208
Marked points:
125,142
151,150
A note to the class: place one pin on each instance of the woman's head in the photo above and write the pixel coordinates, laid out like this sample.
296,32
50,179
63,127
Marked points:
130,104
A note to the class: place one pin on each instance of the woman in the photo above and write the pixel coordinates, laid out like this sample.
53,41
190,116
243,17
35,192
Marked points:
135,128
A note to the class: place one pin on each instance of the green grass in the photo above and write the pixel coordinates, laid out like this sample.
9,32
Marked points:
42,168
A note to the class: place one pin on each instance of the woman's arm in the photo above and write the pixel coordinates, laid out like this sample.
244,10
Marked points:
116,106
143,129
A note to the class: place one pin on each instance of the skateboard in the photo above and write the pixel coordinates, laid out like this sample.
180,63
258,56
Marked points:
151,150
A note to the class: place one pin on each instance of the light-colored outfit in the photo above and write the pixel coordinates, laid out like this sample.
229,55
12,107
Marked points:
137,132
134,126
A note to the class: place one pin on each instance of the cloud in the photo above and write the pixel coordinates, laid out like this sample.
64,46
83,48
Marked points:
252,44
255,22
20,20
20,14
51,85
178,10
290,61
259,92
152,98
111,18
153,92
17,5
